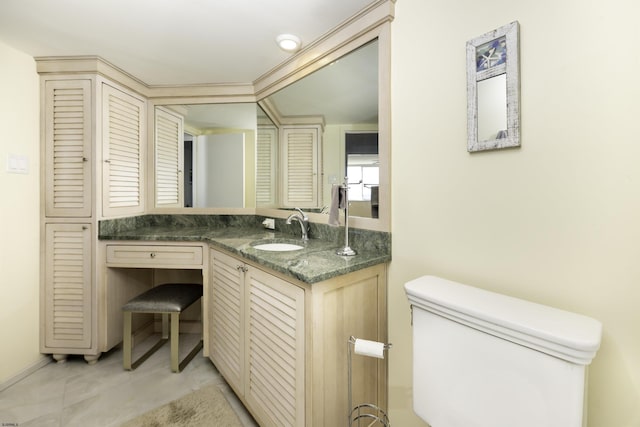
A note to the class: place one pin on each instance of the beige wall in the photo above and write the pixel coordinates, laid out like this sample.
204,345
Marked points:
556,221
19,214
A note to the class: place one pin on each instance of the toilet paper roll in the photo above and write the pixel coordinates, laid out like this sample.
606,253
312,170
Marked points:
369,348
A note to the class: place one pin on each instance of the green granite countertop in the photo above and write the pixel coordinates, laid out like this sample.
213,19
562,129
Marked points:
317,261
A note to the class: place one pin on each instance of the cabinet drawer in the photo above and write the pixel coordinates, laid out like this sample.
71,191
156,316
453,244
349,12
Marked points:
154,256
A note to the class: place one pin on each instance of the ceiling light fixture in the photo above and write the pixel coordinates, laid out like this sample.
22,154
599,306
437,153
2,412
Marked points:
288,42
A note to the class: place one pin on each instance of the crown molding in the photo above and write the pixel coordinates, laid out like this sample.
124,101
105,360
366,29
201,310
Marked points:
82,65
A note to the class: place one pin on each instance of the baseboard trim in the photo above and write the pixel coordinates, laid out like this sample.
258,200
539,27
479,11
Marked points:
43,361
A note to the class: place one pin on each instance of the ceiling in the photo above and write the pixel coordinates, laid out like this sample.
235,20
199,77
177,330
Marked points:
172,42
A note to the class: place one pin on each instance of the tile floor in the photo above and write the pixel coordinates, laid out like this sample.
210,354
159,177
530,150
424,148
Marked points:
104,394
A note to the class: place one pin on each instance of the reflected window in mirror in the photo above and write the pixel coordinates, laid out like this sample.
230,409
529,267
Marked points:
363,172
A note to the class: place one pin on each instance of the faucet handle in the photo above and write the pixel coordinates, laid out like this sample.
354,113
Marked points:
304,215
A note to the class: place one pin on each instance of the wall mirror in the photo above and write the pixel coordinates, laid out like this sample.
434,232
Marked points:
342,99
493,90
340,87
205,155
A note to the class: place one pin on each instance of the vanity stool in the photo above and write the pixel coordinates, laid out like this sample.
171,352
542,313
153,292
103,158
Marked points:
168,299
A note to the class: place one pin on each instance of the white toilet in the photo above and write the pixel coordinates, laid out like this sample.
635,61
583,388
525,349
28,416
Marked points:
482,359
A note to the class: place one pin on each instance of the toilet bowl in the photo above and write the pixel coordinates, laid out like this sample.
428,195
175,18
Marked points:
482,359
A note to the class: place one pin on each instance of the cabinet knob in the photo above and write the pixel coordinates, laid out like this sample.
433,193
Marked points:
242,268
152,254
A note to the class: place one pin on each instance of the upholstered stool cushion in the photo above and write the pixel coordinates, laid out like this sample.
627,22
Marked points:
168,300
165,298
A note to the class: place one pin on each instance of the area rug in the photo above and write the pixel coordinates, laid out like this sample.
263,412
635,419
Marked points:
206,407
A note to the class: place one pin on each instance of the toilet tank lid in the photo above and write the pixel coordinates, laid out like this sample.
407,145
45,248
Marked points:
570,336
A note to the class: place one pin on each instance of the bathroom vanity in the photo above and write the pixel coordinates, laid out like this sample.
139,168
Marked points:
275,324
114,223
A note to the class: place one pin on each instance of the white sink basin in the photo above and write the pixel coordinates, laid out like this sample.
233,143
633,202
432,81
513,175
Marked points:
278,247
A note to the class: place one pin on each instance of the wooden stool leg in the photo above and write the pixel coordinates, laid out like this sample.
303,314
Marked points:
126,344
175,332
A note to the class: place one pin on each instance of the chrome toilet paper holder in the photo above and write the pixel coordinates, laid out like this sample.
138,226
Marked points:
368,414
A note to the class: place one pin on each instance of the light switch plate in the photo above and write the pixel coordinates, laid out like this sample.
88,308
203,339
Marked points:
17,163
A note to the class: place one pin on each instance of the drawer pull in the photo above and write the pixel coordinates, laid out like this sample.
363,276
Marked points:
152,254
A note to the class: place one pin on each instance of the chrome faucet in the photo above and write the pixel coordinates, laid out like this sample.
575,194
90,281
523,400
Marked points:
303,219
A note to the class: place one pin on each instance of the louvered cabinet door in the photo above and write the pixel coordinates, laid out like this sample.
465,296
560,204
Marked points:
67,289
123,139
67,148
226,325
169,155
275,386
266,166
300,167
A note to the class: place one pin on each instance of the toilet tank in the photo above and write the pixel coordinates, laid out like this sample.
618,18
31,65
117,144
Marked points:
482,359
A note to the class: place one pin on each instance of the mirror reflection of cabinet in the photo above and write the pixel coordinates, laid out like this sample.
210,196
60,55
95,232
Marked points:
300,166
266,164
169,158
205,155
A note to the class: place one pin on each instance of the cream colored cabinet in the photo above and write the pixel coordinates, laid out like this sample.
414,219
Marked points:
300,166
67,148
282,344
257,339
74,151
227,319
90,128
67,300
122,142
275,363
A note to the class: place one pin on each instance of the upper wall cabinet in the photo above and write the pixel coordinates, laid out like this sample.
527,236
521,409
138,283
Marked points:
67,145
72,153
123,142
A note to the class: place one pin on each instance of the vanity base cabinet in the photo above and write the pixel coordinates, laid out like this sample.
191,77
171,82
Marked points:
282,344
275,363
226,318
257,339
